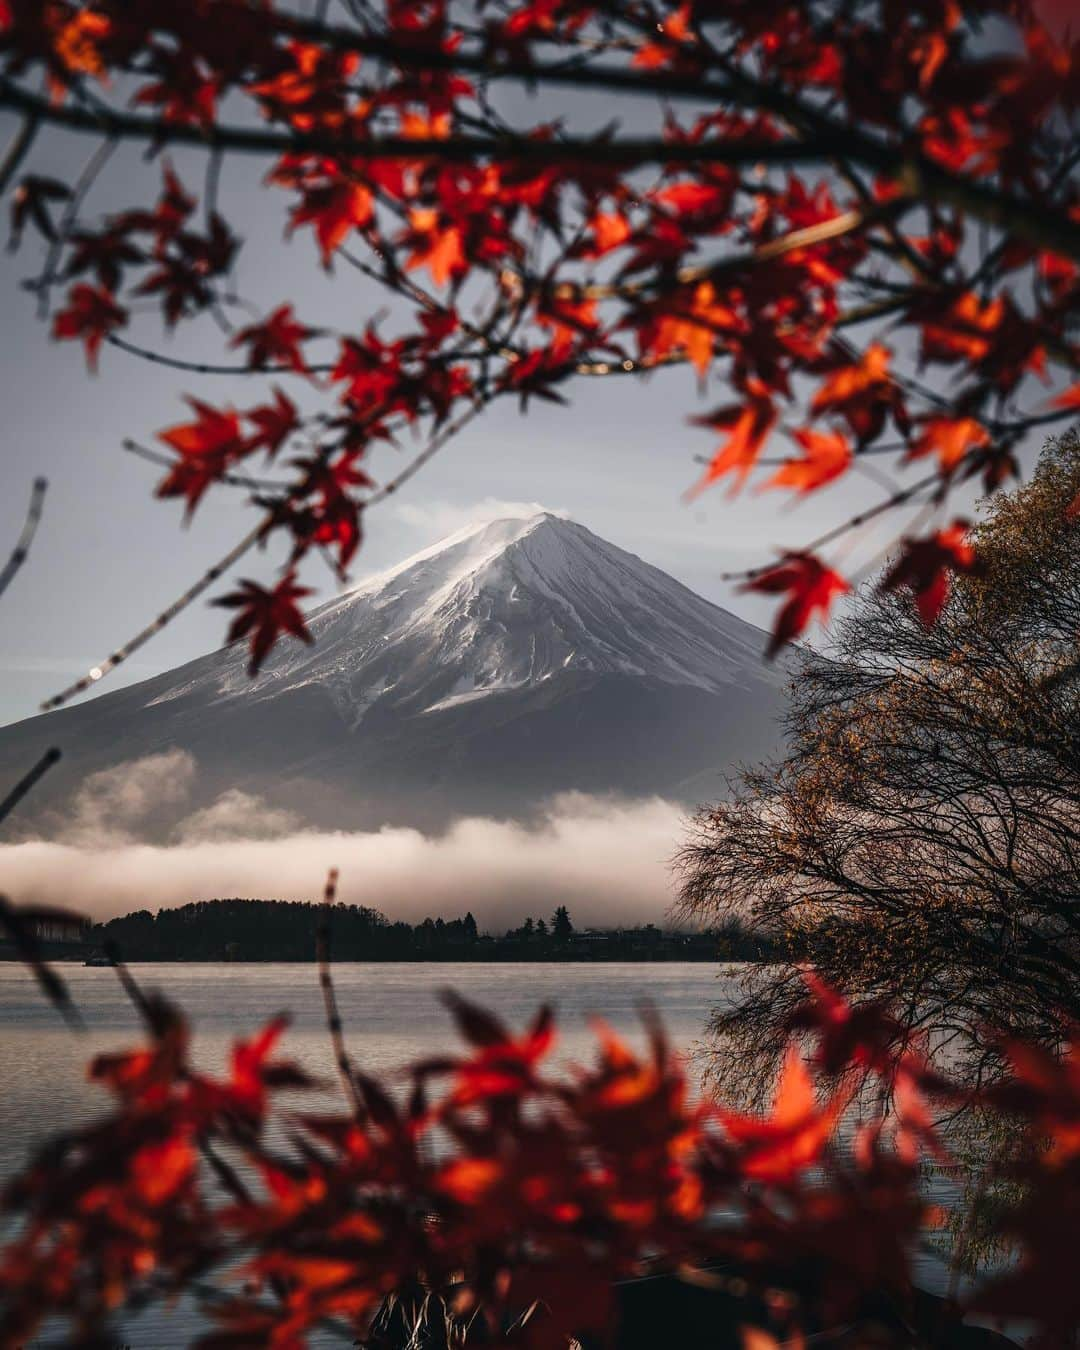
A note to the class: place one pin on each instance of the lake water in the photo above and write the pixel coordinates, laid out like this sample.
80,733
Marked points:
392,1016
391,1012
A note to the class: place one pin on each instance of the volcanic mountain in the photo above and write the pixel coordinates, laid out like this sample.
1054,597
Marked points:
509,662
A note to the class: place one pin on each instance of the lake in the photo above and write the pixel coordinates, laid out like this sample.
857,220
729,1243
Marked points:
392,1016
391,1012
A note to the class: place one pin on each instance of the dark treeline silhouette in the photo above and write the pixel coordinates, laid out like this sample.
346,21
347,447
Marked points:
280,930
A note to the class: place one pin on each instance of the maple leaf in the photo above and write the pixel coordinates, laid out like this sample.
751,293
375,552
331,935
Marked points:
206,446
828,455
334,210
182,288
105,254
691,323
781,1146
437,246
265,614
91,314
964,332
275,423
811,587
863,393
950,438
864,1036
214,431
749,424
924,565
1045,1089
276,341
610,230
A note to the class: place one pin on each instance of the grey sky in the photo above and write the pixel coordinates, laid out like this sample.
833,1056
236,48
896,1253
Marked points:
108,556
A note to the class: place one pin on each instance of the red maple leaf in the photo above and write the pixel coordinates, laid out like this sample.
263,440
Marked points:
810,587
275,422
276,341
827,456
334,210
779,1147
863,393
924,566
950,438
91,315
436,245
265,614
749,424
206,446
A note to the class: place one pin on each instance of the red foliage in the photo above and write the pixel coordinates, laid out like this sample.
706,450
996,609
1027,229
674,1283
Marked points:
810,586
513,1185
266,613
950,239
924,565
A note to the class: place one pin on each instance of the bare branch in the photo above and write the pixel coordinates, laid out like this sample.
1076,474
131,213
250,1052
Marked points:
21,550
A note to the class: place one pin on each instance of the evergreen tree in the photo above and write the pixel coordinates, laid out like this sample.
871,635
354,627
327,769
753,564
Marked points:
561,928
469,925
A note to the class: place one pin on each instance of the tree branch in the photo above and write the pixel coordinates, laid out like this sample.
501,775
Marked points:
21,550
1027,219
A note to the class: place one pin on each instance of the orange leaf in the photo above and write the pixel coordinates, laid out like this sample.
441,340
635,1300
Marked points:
828,455
950,438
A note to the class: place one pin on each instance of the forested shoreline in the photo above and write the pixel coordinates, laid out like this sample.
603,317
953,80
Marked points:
280,930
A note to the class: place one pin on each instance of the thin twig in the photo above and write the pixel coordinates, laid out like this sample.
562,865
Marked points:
28,781
21,550
166,616
853,523
326,983
17,150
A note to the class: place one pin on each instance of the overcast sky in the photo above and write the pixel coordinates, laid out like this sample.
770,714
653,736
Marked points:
109,556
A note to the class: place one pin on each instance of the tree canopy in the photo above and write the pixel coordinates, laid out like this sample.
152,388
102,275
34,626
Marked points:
923,833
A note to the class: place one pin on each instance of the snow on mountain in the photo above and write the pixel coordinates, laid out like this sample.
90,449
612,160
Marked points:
509,661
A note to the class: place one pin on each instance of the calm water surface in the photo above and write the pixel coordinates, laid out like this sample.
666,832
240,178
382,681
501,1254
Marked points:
391,1012
392,1016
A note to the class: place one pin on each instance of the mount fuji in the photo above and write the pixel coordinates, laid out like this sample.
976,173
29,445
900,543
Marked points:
510,662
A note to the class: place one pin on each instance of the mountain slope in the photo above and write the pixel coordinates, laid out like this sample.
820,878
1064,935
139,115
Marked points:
510,661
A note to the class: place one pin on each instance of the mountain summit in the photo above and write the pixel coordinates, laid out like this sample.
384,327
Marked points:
513,660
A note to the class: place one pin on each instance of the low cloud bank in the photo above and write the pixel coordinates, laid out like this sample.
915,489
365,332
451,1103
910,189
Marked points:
609,861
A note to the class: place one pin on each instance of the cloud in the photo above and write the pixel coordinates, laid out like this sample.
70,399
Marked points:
436,519
112,805
236,815
607,860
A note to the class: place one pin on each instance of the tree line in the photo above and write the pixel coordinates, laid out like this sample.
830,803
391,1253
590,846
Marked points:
283,930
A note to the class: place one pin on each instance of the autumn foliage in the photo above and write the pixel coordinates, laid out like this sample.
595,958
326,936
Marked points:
511,1195
861,219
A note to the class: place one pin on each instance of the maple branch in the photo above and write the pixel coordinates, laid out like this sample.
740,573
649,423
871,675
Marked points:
96,673
29,781
831,141
432,448
21,550
852,523
232,479
847,222
18,149
334,1025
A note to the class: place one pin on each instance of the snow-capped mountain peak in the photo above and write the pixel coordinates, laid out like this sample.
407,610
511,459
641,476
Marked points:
503,606
515,658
